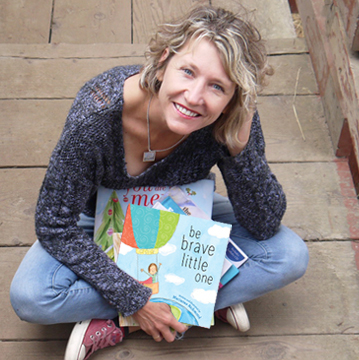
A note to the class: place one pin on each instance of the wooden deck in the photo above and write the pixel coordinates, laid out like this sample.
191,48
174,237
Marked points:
52,49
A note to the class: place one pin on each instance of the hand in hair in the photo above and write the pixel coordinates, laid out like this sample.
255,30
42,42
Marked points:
242,135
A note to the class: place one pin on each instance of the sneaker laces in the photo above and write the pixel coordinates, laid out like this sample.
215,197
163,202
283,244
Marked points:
108,335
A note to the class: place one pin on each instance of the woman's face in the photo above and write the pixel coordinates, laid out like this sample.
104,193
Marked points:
195,88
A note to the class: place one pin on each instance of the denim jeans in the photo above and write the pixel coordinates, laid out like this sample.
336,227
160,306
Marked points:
47,292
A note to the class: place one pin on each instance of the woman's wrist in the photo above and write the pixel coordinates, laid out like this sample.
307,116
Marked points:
242,135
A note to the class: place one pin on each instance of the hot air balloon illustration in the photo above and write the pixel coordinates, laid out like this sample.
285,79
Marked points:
147,231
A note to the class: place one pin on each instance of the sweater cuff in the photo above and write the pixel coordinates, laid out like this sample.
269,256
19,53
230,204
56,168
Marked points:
138,298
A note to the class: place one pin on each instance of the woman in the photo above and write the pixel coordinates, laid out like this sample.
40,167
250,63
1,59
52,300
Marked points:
191,106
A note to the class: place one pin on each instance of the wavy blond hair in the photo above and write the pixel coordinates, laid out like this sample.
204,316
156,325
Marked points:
240,48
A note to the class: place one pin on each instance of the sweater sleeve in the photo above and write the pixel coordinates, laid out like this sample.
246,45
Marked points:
72,178
257,197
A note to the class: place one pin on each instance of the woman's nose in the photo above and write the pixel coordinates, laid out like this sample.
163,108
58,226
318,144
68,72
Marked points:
195,94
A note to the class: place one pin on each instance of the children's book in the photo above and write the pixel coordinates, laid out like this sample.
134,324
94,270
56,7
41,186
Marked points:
111,208
194,199
179,257
177,201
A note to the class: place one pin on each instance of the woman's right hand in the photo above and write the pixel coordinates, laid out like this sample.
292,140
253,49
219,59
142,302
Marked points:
156,320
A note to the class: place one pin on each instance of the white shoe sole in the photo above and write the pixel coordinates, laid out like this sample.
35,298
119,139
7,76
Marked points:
238,318
74,348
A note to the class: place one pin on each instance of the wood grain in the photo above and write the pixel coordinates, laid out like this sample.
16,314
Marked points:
18,196
148,14
25,21
100,21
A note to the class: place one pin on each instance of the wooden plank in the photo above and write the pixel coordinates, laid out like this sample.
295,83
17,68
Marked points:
317,208
349,10
321,201
25,21
264,14
53,350
51,78
346,92
269,347
286,68
326,40
283,135
31,129
324,301
18,196
72,51
96,21
289,311
32,145
341,69
304,348
286,46
147,15
39,78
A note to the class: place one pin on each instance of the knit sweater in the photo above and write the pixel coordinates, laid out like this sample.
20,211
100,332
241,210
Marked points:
90,153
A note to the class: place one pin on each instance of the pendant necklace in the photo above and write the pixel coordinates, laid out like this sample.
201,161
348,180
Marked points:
150,155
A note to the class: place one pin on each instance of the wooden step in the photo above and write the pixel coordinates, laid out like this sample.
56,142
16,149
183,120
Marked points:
277,318
316,347
288,138
120,21
33,72
321,204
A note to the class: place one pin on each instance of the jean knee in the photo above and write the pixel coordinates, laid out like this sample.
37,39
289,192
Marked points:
20,301
28,304
296,258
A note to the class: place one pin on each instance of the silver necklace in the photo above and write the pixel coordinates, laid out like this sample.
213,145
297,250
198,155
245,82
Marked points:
150,155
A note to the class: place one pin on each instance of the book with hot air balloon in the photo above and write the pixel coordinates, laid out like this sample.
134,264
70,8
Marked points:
112,204
179,257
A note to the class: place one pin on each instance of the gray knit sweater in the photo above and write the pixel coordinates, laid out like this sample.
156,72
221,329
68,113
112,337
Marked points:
90,153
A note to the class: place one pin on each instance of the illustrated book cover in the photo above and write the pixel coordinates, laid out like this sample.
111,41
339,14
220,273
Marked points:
111,208
179,257
176,200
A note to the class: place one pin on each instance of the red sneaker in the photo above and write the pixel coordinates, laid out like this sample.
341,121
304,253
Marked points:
91,335
235,315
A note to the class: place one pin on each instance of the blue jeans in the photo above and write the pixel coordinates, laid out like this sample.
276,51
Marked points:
47,292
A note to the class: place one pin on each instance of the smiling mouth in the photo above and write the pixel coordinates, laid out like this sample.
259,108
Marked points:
185,111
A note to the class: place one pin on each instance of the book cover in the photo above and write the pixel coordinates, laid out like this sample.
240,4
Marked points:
177,201
112,205
179,257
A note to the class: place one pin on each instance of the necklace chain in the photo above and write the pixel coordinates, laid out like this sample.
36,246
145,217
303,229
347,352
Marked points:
150,155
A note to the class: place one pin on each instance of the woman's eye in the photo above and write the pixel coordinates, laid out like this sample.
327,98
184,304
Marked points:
188,72
218,87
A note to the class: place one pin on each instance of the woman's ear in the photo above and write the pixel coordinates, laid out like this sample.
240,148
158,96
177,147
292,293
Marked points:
164,55
163,58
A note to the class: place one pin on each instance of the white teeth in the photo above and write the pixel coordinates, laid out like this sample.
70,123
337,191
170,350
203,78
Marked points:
184,111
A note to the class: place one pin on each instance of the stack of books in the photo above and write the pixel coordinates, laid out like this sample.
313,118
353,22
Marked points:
165,238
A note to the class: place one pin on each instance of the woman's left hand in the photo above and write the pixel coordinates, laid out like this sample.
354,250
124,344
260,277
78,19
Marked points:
243,135
156,320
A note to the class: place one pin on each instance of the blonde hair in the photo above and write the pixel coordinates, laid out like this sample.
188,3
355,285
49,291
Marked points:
240,48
